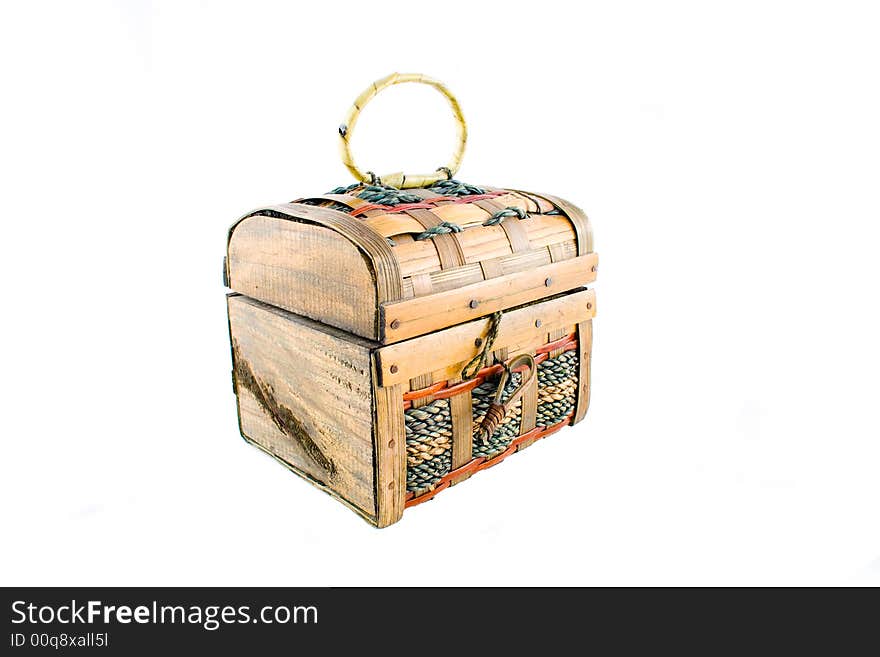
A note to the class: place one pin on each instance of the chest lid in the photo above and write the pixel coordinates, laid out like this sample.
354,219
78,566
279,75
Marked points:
393,258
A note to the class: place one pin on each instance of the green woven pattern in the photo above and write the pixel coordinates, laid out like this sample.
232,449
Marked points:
454,187
384,195
442,228
501,215
428,445
481,398
557,388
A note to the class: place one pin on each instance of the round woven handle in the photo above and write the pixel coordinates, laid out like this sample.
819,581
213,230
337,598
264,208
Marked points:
401,180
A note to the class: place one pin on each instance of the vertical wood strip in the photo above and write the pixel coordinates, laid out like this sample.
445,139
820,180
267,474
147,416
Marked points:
390,447
448,248
553,336
529,416
585,347
558,252
516,234
491,268
462,414
419,382
422,284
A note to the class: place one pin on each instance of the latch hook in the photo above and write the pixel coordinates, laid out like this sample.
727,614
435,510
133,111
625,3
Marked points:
496,412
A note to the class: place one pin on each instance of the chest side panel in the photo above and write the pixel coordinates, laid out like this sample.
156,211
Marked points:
305,396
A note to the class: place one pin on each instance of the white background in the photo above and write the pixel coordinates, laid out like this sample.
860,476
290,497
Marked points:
728,156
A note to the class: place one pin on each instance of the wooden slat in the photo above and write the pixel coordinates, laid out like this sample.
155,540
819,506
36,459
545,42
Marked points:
411,317
553,336
479,244
585,346
448,249
422,285
417,257
462,415
528,419
390,448
510,263
558,252
516,234
541,205
304,395
432,352
492,268
544,230
352,202
419,382
578,218
389,225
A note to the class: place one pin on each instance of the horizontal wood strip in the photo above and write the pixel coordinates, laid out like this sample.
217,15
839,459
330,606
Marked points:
484,243
511,263
411,317
429,353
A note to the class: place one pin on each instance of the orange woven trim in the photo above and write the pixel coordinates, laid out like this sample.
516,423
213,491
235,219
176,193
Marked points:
442,390
426,204
482,463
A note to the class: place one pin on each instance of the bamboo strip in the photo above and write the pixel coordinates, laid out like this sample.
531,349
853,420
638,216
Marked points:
418,383
420,315
585,341
554,335
462,415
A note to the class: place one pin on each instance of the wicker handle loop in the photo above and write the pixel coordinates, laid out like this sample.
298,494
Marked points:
496,412
401,180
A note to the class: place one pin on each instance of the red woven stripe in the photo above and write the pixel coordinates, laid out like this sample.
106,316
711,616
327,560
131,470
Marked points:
426,204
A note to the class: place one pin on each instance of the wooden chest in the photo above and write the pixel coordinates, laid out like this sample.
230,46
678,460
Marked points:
389,343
